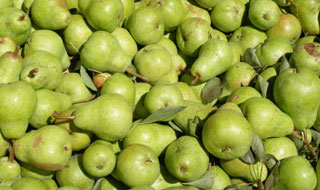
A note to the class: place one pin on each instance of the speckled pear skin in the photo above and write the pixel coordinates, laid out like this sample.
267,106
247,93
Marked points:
47,148
10,67
17,105
14,23
50,14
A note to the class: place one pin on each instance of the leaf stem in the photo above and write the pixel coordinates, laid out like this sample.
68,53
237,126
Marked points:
84,100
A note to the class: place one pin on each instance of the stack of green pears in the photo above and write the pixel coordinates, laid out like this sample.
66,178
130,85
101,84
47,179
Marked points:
159,94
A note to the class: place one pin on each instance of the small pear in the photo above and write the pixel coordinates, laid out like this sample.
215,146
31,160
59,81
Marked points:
10,67
242,94
10,170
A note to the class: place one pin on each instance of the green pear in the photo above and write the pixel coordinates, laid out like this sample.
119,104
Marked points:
48,102
217,34
156,136
7,45
194,11
15,24
99,79
268,75
17,3
153,58
153,25
283,3
50,183
17,106
264,14
68,187
297,92
227,134
6,3
165,179
120,84
182,187
242,94
288,27
316,124
47,148
140,110
50,14
76,34
270,52
10,67
208,3
178,63
4,145
295,172
27,5
73,6
191,35
161,96
248,37
128,8
227,15
74,174
5,187
186,159
29,183
109,183
10,171
172,12
126,41
187,91
215,57
49,41
170,78
137,165
28,170
222,179
281,147
99,159
169,45
102,52
266,119
113,120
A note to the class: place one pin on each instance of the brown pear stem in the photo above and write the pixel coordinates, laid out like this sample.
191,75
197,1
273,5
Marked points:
307,143
196,79
16,50
84,100
66,71
131,72
57,116
296,135
293,3
11,154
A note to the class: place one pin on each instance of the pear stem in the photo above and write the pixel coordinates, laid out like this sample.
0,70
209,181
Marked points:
196,79
57,116
11,154
85,100
296,135
307,143
131,72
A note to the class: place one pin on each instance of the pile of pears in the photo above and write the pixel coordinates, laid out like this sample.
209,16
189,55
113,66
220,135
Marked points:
159,94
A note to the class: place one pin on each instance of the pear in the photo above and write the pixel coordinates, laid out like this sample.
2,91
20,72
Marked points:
99,79
264,14
15,24
169,45
165,180
99,159
297,92
73,6
108,54
222,179
50,183
227,134
6,3
68,187
10,67
266,119
153,25
237,52
26,5
76,34
110,183
208,3
227,15
170,78
10,170
17,106
185,159
153,135
126,41
29,183
187,91
242,94
141,89
48,102
194,11
41,69
28,170
73,174
7,45
178,63
103,15
268,75
49,41
215,57
128,8
217,34
47,148
50,14
4,145
281,147
120,84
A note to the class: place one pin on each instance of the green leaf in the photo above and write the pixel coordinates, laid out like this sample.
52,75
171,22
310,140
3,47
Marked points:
175,127
263,84
205,182
258,147
248,158
284,64
270,161
163,114
192,126
272,178
250,57
315,136
87,79
97,185
212,89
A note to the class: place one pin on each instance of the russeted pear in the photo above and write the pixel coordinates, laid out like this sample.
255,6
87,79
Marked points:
264,14
48,102
227,134
29,183
266,119
222,179
140,111
186,159
28,170
297,93
153,26
281,147
215,57
122,85
10,170
47,148
73,174
242,94
4,145
50,14
154,135
102,52
41,69
15,24
126,41
10,67
18,102
7,44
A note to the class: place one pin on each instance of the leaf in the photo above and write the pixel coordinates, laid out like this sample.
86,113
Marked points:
315,136
248,158
175,127
284,64
205,182
250,57
163,114
212,89
192,126
272,178
97,185
258,147
270,161
87,79
263,84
